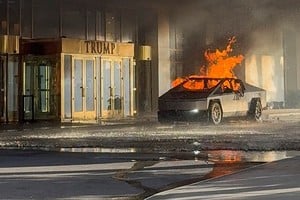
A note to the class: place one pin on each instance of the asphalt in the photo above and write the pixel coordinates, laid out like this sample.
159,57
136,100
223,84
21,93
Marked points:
267,115
270,181
144,133
51,175
276,179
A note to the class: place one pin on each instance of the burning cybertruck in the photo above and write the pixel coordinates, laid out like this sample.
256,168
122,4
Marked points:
213,99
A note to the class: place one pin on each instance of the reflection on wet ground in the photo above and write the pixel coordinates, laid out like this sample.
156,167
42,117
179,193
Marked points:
155,166
230,156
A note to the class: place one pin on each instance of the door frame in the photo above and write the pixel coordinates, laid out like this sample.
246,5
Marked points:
3,106
35,92
113,100
85,114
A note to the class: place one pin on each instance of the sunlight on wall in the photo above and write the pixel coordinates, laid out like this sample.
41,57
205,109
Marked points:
263,71
164,76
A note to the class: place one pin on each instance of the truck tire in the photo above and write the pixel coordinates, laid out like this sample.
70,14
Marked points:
255,111
215,113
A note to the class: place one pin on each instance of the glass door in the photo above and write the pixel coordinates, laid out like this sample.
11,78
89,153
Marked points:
38,90
83,90
2,88
43,91
28,91
112,96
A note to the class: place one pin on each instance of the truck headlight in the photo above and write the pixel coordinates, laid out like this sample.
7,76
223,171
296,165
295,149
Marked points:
195,111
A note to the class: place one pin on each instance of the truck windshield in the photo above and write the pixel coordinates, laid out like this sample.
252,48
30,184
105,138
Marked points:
200,84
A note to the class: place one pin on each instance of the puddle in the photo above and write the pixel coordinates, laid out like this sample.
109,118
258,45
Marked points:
156,172
248,156
98,150
225,156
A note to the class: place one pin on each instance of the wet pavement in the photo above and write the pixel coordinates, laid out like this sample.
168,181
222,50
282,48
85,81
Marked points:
53,175
277,131
270,181
182,148
30,174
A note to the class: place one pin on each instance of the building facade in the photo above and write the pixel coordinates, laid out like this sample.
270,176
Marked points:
267,34
76,60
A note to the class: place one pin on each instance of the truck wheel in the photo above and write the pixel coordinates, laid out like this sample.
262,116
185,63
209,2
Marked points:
256,110
215,113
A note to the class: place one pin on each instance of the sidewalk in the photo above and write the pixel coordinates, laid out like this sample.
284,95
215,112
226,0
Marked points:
279,131
275,180
267,115
57,124
281,114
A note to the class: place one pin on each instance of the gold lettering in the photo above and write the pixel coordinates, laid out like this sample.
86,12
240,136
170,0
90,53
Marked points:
87,46
106,48
113,46
99,47
93,48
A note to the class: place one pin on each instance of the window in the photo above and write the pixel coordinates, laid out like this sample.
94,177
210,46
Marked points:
73,19
100,26
3,17
91,25
67,86
12,87
176,48
45,18
128,22
14,17
44,74
112,27
26,18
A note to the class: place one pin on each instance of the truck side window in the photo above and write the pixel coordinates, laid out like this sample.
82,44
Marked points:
226,87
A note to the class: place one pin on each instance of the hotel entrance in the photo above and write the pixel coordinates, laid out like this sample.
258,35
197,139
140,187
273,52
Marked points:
112,88
116,93
97,81
96,88
74,80
84,89
39,81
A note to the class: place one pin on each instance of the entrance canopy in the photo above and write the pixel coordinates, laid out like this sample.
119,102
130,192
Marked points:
76,46
9,44
83,80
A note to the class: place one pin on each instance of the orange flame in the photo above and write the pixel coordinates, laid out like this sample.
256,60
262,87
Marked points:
178,81
219,64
